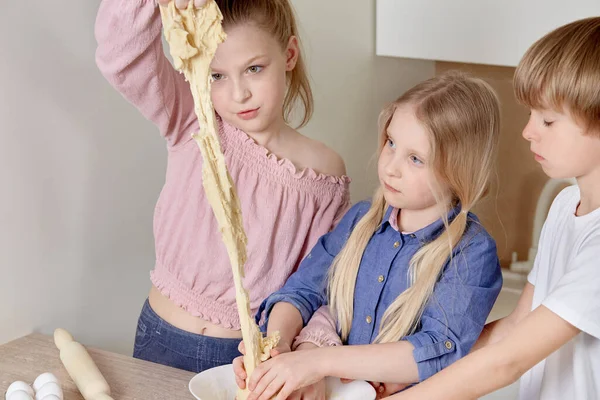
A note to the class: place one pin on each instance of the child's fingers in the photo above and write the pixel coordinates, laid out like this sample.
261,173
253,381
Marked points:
240,372
317,391
275,352
297,395
240,382
380,389
387,389
269,386
242,348
262,376
280,349
181,4
238,369
284,392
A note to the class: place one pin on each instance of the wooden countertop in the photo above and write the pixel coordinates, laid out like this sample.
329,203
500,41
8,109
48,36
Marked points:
129,378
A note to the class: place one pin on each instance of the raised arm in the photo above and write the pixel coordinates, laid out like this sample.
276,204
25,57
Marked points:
130,56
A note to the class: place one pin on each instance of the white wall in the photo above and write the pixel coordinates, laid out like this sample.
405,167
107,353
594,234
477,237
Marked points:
350,83
81,170
472,31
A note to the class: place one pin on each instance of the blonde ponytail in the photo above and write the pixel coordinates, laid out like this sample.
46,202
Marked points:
343,272
402,316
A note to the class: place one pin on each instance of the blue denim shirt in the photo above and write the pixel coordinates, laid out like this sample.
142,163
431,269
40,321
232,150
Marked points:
453,318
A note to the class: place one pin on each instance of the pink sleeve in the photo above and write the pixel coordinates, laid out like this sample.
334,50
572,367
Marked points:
320,330
130,56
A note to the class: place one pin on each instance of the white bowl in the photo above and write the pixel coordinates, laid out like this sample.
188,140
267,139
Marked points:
219,384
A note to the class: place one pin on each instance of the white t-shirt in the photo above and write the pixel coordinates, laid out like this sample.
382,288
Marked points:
566,276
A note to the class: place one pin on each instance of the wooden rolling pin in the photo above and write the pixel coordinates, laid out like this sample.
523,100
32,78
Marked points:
80,366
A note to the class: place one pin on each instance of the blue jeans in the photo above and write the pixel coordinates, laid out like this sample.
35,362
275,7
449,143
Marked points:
160,342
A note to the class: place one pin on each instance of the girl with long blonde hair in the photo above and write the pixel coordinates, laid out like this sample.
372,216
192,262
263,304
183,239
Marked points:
550,342
411,275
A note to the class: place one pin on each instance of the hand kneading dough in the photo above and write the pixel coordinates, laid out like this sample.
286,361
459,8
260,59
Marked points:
193,35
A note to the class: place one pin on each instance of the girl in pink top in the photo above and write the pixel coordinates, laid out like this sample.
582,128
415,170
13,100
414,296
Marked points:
291,188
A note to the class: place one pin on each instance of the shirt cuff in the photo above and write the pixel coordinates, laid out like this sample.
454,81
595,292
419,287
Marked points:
428,352
318,338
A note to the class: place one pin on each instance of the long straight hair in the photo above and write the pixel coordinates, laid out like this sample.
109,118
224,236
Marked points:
462,117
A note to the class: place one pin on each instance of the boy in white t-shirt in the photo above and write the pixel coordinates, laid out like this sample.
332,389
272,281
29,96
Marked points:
552,339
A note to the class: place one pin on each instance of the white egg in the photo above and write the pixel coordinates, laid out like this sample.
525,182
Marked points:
51,397
47,389
19,385
43,379
19,395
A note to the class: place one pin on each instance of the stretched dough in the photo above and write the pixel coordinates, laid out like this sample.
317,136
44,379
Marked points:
193,35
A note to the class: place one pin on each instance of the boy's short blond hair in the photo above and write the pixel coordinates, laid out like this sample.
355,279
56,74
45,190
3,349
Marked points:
561,71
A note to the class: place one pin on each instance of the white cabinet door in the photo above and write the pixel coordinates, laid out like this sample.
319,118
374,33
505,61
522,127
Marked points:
496,32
